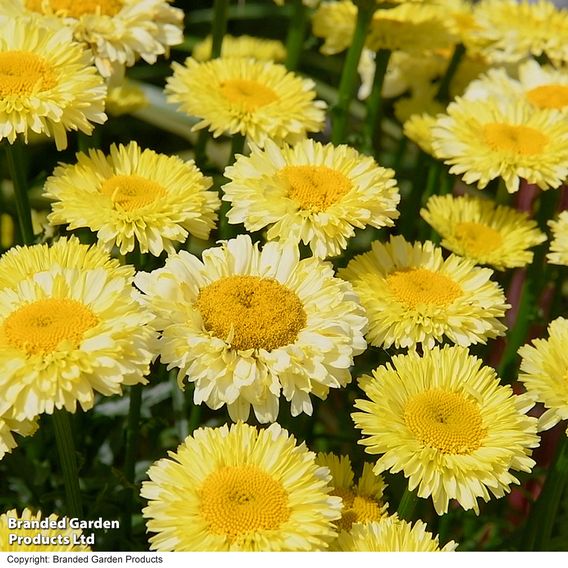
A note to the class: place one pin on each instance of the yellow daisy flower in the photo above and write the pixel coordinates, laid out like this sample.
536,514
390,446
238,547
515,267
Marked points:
362,502
510,30
31,536
334,22
419,129
544,372
66,333
260,100
21,263
117,31
133,197
246,325
391,535
314,193
484,140
559,244
412,295
252,490
258,48
125,98
447,423
8,427
483,231
47,84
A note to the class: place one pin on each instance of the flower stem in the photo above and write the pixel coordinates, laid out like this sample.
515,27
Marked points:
219,26
407,505
543,515
66,450
296,35
178,403
130,454
443,94
16,167
372,126
340,111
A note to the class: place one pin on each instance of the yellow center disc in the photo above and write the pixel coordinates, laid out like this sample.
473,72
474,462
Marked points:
477,238
22,73
549,96
132,192
41,326
314,188
77,8
251,312
248,95
521,140
446,421
236,500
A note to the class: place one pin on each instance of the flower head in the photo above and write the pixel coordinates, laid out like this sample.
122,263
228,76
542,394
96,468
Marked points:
391,534
559,244
484,140
412,295
47,83
258,48
544,372
240,489
362,501
314,193
482,231
133,196
247,325
448,424
117,31
260,100
66,333
9,427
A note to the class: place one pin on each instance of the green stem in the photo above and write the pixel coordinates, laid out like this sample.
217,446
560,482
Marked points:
68,460
296,35
543,514
443,94
16,167
219,26
372,126
200,149
407,505
132,428
349,75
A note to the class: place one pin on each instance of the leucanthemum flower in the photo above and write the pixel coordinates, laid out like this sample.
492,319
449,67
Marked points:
117,31
240,489
47,83
9,427
391,534
418,128
258,48
22,262
412,295
362,501
67,333
247,325
133,196
31,538
544,372
483,231
258,99
311,193
484,140
559,244
507,31
447,423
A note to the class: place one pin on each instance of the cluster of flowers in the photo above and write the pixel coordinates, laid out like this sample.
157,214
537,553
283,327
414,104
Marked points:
248,324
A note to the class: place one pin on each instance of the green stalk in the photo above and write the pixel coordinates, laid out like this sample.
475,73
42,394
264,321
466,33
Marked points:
16,167
543,514
219,26
443,94
372,126
296,35
349,75
132,428
407,505
67,459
